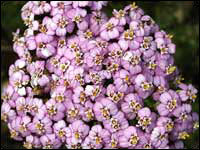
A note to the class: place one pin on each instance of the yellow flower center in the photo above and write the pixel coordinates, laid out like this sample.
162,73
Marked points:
134,6
146,86
79,58
170,69
13,134
98,59
116,96
61,43
61,133
113,143
134,106
109,26
62,23
171,104
77,19
179,79
78,77
114,123
129,34
5,97
170,36
42,45
144,122
73,113
82,97
120,14
127,80
4,117
48,145
55,62
183,135
161,89
74,46
64,67
17,84
89,114
52,111
105,112
42,28
23,128
66,82
196,125
113,67
77,135
183,116
147,146
40,127
28,22
163,50
96,92
162,136
28,145
194,96
98,140
60,98
169,126
152,65
88,34
134,140
135,60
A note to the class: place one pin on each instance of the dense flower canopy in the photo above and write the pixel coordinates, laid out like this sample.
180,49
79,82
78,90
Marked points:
84,80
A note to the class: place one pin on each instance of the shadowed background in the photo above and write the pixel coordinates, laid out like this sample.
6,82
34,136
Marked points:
178,18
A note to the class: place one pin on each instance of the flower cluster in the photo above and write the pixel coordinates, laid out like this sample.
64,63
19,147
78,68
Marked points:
84,80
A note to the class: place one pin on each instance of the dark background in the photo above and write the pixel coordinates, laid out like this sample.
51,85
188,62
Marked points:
178,18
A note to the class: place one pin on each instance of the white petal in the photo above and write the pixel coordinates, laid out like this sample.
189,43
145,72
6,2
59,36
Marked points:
22,91
127,56
46,52
89,89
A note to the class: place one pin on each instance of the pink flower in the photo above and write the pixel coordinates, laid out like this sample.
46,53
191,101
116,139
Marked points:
110,30
50,141
19,80
20,124
61,130
144,85
61,24
165,122
99,136
73,111
88,113
159,137
129,138
104,108
123,80
55,110
78,15
117,122
41,7
32,141
7,114
97,19
169,101
132,103
114,93
40,126
59,7
131,61
146,119
79,131
187,92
